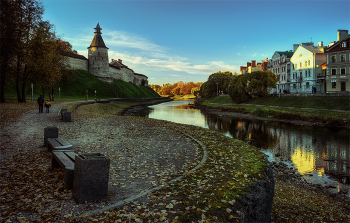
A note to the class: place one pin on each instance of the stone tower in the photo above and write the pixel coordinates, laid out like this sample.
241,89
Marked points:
98,56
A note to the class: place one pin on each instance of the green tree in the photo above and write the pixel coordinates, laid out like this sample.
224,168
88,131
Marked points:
217,82
257,83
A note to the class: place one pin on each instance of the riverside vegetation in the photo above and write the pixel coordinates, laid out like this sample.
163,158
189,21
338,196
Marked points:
206,195
325,111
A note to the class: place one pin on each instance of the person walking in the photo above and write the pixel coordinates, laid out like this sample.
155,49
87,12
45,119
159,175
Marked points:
47,105
41,103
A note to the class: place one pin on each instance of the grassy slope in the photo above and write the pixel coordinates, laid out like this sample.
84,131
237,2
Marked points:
75,89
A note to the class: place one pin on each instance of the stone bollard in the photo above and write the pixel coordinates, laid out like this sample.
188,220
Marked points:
49,133
91,175
66,117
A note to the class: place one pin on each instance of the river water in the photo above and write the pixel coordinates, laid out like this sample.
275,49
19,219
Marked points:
321,155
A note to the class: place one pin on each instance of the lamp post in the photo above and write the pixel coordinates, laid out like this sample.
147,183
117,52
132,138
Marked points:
217,90
87,95
95,95
59,94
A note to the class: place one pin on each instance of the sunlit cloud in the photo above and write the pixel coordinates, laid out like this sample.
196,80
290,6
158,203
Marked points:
143,56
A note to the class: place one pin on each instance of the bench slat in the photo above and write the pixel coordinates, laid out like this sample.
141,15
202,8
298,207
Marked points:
71,155
53,142
63,143
62,159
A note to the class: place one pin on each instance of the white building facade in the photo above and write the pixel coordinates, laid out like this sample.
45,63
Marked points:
281,66
307,61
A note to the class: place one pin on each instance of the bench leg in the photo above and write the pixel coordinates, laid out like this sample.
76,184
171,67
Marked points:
68,177
54,163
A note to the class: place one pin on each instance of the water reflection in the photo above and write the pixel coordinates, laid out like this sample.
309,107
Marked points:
316,152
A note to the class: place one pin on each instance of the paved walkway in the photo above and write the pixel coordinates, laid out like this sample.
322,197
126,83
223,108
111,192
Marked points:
143,154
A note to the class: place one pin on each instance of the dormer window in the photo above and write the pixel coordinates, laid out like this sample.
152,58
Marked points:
343,44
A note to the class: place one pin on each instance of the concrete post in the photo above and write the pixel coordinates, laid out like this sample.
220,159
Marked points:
49,133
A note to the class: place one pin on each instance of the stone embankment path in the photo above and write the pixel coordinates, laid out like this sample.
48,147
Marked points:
143,155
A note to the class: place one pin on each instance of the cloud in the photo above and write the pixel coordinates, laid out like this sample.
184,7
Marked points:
150,64
143,56
255,54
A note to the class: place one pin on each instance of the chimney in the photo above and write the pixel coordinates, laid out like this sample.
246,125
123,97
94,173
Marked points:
320,43
253,63
119,60
342,34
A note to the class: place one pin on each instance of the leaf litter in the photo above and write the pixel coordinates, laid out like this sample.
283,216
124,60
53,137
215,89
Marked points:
31,192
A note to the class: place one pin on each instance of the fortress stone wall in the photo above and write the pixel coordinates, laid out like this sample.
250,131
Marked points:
98,64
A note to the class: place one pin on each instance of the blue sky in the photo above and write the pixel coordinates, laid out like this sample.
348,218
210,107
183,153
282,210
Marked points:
171,40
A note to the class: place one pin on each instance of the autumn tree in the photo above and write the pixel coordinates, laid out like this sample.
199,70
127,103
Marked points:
8,44
31,49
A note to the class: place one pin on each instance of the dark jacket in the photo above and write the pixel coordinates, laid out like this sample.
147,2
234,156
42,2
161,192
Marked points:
40,100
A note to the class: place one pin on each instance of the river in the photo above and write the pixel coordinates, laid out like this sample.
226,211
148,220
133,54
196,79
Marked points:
321,155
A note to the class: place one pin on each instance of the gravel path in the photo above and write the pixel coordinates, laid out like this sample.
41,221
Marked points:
143,154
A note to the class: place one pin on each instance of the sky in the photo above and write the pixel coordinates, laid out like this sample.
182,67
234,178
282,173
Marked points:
172,40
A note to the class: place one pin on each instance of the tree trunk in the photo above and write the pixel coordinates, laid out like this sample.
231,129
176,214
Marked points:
25,75
19,99
2,82
43,92
52,95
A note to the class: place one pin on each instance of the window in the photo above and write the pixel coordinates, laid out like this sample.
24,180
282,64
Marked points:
342,70
342,58
99,53
334,84
309,73
305,63
307,85
333,59
296,66
309,62
343,44
301,65
334,71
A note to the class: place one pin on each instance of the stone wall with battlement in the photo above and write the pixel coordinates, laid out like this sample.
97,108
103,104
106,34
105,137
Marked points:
77,63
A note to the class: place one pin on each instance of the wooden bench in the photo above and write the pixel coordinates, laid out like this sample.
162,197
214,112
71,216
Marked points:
64,159
57,144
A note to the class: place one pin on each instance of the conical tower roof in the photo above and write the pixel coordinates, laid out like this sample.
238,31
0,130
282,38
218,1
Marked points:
98,41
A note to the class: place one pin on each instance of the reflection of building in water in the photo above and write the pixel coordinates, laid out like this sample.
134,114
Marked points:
338,161
307,148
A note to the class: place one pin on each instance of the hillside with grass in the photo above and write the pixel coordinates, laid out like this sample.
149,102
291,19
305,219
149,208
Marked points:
76,86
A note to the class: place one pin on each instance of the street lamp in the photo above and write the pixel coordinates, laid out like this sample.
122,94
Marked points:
217,90
95,95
